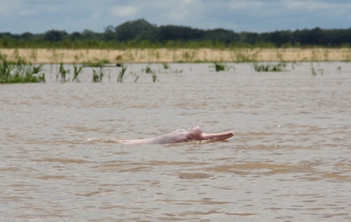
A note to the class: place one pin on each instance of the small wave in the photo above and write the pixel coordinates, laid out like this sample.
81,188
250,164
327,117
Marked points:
101,140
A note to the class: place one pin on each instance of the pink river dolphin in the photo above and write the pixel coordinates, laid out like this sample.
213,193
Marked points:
194,134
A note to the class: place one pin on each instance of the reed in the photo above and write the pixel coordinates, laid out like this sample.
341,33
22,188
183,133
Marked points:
98,74
153,74
121,73
76,71
62,73
316,71
135,75
136,78
269,67
20,71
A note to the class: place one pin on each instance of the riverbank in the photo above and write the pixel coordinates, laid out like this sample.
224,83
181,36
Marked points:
48,56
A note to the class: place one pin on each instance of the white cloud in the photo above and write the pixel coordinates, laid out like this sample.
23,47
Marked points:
124,11
96,14
283,7
177,15
190,1
314,5
178,10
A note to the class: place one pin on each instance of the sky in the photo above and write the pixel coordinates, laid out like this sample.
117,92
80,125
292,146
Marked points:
39,16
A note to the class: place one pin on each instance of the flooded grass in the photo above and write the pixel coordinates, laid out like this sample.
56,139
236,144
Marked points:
62,73
20,71
316,71
98,74
165,65
288,161
121,73
152,72
219,67
76,71
269,67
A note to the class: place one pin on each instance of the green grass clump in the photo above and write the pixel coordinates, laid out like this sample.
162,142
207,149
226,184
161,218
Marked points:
148,70
20,72
269,67
98,74
152,72
165,65
219,67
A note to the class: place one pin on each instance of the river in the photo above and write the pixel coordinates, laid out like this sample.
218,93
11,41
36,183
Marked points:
289,159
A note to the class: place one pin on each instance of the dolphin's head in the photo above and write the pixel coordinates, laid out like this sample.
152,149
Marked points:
197,134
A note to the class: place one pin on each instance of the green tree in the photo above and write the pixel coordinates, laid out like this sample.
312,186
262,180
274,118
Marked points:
130,30
54,35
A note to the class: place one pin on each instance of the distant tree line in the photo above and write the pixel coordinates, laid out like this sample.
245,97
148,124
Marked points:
142,34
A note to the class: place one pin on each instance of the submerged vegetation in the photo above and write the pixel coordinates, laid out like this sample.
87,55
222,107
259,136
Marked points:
62,72
20,72
76,71
152,72
98,74
223,67
316,71
121,73
269,67
219,67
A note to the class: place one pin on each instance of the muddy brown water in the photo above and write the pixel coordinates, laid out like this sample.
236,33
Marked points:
290,158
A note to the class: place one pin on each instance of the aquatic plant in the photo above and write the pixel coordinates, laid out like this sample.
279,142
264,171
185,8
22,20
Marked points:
76,72
219,67
177,71
135,75
98,74
136,78
20,71
315,72
339,68
154,76
152,72
165,65
62,73
321,71
269,67
121,73
148,70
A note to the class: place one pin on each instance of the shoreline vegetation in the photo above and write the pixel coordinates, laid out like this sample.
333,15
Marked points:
139,41
22,56
175,55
